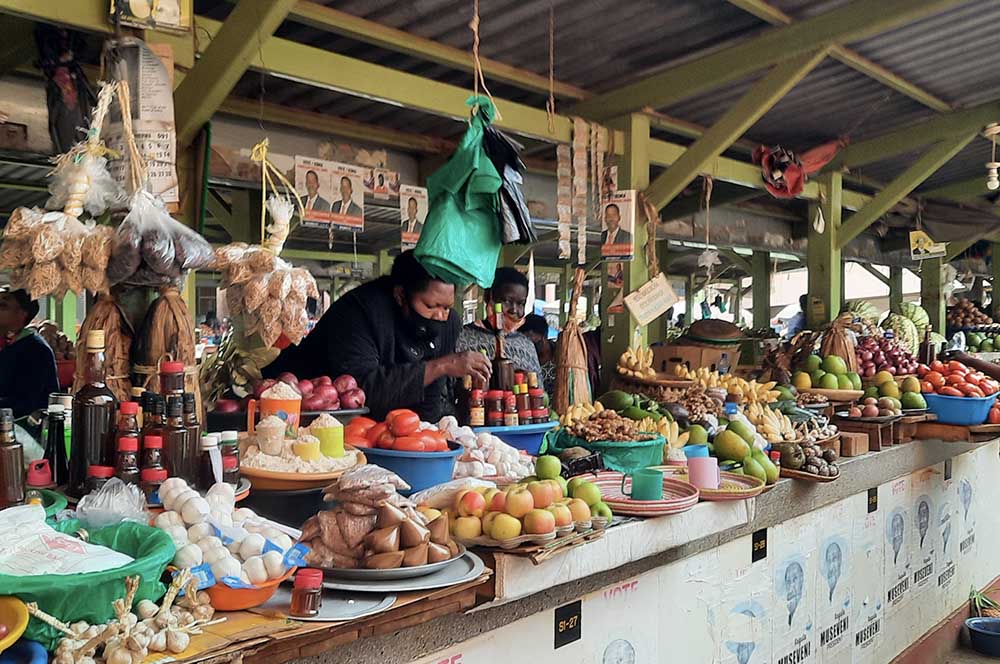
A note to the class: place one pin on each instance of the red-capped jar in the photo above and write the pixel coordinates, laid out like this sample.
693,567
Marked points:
152,478
171,378
307,594
494,408
127,460
98,476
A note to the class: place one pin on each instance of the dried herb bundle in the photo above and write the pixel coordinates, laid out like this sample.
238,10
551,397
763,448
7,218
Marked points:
107,315
166,333
572,381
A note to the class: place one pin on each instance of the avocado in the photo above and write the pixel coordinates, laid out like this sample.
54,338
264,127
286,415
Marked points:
616,400
792,456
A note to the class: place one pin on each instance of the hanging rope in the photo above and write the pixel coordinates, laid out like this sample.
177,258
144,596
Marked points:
650,217
477,77
268,173
707,202
136,164
550,105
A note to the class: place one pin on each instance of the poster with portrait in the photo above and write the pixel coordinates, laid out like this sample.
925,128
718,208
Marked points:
412,213
172,15
793,612
382,183
618,213
742,618
332,193
866,574
944,521
899,531
925,540
834,584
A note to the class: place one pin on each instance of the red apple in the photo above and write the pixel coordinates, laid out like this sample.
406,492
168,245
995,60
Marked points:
498,501
470,503
539,522
519,502
542,494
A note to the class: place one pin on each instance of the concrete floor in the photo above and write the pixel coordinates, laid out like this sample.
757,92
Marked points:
966,656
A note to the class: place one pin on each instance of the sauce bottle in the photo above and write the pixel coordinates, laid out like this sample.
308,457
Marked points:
510,417
152,452
128,420
179,458
191,420
229,443
171,378
127,460
11,462
152,478
138,395
477,409
94,409
503,369
307,593
55,444
154,409
210,461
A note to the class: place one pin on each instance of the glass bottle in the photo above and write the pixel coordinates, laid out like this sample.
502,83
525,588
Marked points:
94,409
523,403
127,460
179,459
138,395
229,443
128,420
925,353
153,424
151,479
97,477
191,422
464,395
207,462
152,452
55,444
477,409
510,417
503,368
307,593
171,378
11,462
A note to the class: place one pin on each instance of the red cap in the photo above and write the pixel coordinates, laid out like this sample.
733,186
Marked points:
477,394
129,408
518,377
153,474
153,442
171,367
100,472
536,392
309,579
494,394
128,445
39,473
230,462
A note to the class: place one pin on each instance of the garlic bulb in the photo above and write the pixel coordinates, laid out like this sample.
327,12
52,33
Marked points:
194,510
223,519
147,609
199,531
255,570
274,563
208,543
177,642
213,556
188,555
168,519
178,534
226,567
252,545
242,514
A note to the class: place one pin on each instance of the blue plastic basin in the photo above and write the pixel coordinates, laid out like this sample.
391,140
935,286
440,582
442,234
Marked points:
984,634
963,411
418,469
527,437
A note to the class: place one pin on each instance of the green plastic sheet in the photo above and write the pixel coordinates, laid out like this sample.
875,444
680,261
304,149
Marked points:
72,597
460,243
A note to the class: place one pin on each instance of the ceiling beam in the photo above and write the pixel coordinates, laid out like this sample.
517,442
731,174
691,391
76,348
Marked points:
764,94
345,24
251,23
723,193
872,271
901,141
767,12
906,182
956,248
962,190
740,262
855,20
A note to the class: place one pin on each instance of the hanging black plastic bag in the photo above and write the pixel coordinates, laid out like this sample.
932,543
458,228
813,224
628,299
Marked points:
514,217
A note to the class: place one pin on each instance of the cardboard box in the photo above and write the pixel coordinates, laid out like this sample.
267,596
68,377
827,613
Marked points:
853,443
665,357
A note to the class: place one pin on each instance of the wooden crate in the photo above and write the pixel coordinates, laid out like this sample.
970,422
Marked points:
879,433
831,444
853,443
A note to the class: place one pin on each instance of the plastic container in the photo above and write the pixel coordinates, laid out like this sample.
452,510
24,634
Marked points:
13,614
527,437
963,411
420,470
225,598
984,633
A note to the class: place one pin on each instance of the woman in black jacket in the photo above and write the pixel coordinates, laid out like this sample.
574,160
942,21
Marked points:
27,365
396,335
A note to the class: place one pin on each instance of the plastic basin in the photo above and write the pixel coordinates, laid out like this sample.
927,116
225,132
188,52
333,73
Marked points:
13,614
984,634
418,469
963,411
526,437
225,598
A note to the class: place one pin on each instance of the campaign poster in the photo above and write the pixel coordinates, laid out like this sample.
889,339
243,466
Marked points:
867,581
899,531
412,213
944,521
618,226
834,584
332,193
925,537
382,183
742,617
794,591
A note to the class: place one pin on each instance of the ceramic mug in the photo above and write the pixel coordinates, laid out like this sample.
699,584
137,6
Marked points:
647,484
703,472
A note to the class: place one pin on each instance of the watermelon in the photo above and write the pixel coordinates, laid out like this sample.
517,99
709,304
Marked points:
864,309
904,330
915,313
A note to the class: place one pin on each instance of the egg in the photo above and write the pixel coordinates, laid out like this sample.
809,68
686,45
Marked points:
255,570
251,546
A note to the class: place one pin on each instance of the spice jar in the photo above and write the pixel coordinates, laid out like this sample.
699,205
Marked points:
477,409
494,408
536,396
152,452
510,418
152,478
307,593
210,462
98,476
523,401
127,460
128,420
171,378
230,445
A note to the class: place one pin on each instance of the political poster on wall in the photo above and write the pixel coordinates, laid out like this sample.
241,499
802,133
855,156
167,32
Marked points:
925,538
794,590
898,533
412,213
834,584
618,224
866,574
332,193
944,521
382,183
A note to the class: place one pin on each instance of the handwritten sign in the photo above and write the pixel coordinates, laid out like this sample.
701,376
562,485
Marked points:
651,300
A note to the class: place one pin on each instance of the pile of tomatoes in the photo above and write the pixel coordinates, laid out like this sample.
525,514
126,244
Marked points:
402,431
954,379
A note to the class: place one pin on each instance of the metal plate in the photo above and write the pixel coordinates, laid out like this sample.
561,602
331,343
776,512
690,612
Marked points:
459,570
396,573
881,419
338,605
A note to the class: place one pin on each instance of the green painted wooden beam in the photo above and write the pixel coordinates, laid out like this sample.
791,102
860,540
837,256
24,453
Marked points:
956,247
895,287
383,264
764,94
870,269
995,270
906,182
742,262
850,22
761,288
327,256
773,15
199,96
932,292
823,254
907,139
962,190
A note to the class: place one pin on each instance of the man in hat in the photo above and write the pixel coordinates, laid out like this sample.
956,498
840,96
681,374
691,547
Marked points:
27,365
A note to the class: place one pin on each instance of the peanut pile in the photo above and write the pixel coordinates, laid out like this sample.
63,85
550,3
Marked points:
608,425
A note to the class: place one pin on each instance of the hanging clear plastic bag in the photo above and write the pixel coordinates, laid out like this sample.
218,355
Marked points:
113,503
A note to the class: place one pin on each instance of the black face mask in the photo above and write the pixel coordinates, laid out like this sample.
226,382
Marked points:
420,328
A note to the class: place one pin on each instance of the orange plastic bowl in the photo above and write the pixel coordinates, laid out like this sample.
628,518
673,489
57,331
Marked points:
225,598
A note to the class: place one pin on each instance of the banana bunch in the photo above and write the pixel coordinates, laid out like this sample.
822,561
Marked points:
747,391
579,412
774,426
637,363
667,428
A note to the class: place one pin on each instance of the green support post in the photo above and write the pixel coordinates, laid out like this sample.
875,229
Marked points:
384,264
823,253
895,287
995,266
689,293
761,284
565,292
932,292
633,173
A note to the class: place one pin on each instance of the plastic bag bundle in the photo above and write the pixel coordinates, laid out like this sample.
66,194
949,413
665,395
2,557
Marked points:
153,249
112,504
84,185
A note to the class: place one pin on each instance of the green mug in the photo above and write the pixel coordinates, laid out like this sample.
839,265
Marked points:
647,484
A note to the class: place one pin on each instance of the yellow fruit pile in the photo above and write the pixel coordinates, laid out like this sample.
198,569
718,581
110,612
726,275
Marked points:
774,426
637,363
666,428
579,412
747,391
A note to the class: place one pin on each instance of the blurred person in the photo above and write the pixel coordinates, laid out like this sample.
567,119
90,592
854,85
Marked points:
537,329
797,323
28,372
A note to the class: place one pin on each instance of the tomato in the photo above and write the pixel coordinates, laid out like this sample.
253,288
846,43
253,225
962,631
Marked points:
403,422
934,378
922,369
385,440
955,379
356,441
926,386
970,389
435,441
376,431
955,366
949,391
361,423
994,416
410,444
973,377
989,387
937,365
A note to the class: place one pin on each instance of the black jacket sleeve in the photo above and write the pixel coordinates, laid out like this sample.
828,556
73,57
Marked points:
32,379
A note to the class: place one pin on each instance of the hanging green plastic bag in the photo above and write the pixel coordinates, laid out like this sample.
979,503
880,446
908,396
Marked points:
73,597
460,243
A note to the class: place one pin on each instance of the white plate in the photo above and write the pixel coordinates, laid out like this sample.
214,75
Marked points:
337,605
459,570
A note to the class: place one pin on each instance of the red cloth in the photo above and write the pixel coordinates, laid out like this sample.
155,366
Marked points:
785,173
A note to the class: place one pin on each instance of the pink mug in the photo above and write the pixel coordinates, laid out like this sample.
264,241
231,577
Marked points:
703,472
